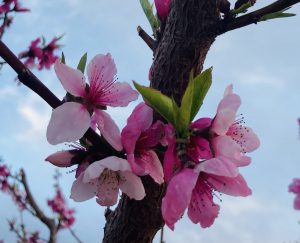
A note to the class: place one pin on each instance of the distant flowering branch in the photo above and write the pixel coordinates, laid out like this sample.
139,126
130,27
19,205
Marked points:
17,187
7,7
40,54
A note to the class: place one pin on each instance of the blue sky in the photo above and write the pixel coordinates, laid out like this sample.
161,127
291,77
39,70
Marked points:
262,61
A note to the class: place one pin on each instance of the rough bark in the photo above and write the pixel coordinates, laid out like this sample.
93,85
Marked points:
187,37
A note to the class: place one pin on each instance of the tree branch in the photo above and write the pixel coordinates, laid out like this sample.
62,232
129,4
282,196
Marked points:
254,17
49,222
148,40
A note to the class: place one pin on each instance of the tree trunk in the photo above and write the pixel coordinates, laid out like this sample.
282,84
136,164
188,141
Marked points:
189,32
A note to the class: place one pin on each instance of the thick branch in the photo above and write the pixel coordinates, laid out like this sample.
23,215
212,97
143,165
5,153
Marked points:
33,83
254,17
185,41
49,222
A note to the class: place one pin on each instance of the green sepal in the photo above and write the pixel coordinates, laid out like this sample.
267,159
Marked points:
158,101
276,15
153,20
63,59
82,63
241,9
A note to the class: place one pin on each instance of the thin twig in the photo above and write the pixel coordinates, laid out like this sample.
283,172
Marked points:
74,235
147,38
49,222
254,17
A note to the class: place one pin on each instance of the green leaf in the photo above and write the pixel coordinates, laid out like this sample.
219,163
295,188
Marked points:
63,59
148,10
82,63
158,101
187,103
241,9
276,15
202,84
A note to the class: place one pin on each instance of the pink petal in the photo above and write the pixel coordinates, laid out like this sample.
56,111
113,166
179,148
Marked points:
151,165
112,163
201,123
68,123
109,129
245,137
234,186
199,149
202,209
224,146
71,79
171,162
61,158
141,117
297,202
295,186
162,7
101,71
118,94
226,113
151,137
228,90
107,188
218,166
81,191
178,196
131,185
139,121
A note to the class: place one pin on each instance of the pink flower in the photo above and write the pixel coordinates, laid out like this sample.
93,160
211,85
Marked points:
58,205
48,58
230,138
194,189
207,163
162,7
295,188
71,120
138,138
34,52
104,178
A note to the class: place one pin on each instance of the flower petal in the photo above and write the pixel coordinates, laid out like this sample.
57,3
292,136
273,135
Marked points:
101,71
118,94
151,165
112,163
131,185
234,186
202,209
226,113
245,137
61,158
81,191
224,146
107,188
68,123
71,79
171,162
109,129
178,196
220,166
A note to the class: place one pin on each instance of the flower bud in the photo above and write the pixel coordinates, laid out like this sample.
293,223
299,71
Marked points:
162,7
61,158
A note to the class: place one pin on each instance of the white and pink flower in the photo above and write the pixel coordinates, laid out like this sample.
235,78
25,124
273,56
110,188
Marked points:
104,178
71,120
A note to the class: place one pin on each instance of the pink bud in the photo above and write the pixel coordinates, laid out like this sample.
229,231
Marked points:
162,7
60,159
